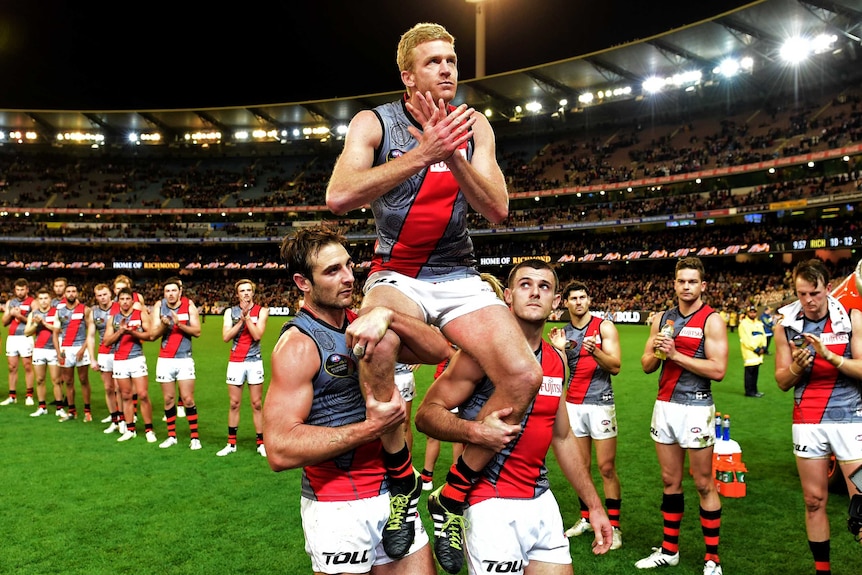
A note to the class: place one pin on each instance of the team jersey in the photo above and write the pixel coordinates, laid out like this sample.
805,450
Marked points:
422,223
44,336
175,342
676,384
244,346
358,473
518,471
101,317
16,327
588,382
823,394
73,324
128,347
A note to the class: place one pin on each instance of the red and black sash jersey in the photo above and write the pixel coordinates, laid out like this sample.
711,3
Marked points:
676,384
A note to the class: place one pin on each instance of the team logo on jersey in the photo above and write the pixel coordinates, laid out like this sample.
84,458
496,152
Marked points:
339,365
394,154
834,338
551,386
692,332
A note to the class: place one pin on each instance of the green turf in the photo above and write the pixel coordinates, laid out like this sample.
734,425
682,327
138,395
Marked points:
76,501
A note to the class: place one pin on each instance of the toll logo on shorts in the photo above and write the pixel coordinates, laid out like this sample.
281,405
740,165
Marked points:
346,557
338,365
491,566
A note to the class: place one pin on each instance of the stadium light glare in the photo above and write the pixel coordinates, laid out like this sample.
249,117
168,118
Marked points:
586,98
534,107
795,50
728,68
653,84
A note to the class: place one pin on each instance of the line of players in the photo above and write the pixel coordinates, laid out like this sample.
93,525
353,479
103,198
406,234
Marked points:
54,334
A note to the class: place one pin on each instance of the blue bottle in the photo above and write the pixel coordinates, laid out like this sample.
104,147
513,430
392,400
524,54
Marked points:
725,427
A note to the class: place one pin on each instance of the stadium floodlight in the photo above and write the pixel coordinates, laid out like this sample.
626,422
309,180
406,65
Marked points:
747,63
534,107
133,137
653,84
341,129
489,112
586,98
795,50
728,67
823,43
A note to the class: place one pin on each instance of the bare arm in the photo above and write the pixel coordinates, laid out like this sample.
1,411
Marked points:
577,472
229,330
714,365
481,179
355,181
420,342
290,442
609,356
91,334
454,386
256,330
649,362
193,327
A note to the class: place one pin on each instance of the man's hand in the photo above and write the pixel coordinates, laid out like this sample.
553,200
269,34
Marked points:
384,415
557,337
367,330
442,133
603,530
494,433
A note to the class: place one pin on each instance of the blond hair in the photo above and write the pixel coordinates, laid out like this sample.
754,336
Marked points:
419,34
495,283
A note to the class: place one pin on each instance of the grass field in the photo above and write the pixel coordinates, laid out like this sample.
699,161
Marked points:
77,502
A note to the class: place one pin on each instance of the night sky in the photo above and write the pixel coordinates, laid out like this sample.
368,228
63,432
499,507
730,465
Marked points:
62,55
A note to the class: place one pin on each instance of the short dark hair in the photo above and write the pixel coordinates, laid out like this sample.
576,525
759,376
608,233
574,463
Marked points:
813,271
298,250
173,280
691,263
575,285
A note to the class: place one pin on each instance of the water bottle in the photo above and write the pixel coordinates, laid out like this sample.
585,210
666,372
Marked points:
725,428
718,425
667,331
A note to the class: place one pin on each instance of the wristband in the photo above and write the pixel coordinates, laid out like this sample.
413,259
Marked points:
840,363
793,372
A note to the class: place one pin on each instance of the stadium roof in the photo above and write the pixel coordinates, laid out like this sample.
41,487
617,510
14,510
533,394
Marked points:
756,31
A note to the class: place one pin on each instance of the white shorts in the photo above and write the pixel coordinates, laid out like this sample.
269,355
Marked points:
19,345
106,362
239,372
71,359
406,384
129,368
504,535
819,440
171,369
691,426
595,421
42,356
441,302
347,536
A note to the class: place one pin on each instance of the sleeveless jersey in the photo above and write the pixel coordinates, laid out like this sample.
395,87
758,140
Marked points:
822,394
73,324
16,327
588,382
422,223
518,471
101,317
176,343
676,384
128,347
356,474
44,337
244,347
